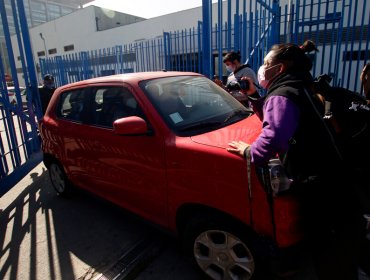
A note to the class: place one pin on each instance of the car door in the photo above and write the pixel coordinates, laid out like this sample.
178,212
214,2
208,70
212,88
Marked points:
69,131
128,170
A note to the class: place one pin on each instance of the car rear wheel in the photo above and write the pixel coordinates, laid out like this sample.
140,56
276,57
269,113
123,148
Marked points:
218,249
59,179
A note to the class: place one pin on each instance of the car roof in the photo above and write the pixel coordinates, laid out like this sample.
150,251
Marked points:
131,77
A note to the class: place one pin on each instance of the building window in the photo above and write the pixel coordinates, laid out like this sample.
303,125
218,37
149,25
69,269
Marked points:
38,12
66,10
69,48
53,11
52,51
42,53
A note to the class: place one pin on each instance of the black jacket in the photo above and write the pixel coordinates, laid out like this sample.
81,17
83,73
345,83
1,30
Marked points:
313,150
45,96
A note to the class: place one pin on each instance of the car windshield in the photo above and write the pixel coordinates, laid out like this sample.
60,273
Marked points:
193,105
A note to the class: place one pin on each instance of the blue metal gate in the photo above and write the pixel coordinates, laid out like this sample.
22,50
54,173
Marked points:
19,107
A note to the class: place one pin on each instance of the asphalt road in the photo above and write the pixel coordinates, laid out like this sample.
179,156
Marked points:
44,236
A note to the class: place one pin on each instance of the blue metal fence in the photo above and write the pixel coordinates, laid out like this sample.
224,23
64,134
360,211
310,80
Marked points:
19,108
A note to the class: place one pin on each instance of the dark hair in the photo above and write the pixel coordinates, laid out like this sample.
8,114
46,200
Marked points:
48,77
294,54
231,56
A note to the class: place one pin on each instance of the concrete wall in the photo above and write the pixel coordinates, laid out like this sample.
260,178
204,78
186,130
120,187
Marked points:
79,29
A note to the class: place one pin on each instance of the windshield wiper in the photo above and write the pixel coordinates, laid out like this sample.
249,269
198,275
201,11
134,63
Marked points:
239,112
200,125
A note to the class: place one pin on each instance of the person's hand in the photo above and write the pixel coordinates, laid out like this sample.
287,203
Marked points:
238,147
252,88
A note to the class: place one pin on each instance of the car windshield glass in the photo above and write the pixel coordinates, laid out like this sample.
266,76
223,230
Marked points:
192,105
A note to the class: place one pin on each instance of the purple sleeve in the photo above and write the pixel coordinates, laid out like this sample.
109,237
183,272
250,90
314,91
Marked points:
280,121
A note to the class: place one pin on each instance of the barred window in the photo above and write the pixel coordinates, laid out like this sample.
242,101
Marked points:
52,51
69,48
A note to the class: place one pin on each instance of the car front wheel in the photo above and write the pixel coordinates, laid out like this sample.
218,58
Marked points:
218,249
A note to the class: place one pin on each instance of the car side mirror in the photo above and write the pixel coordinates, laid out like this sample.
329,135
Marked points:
130,126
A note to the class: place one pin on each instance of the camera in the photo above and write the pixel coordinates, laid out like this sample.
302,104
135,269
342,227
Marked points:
244,84
238,85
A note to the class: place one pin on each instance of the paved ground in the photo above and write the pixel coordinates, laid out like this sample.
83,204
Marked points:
44,236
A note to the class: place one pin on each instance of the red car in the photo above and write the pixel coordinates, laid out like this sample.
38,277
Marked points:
154,143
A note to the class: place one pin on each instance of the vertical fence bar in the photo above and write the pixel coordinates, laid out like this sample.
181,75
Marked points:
228,25
367,55
360,44
13,138
220,20
26,142
200,45
324,42
207,37
352,44
339,46
32,83
297,22
332,38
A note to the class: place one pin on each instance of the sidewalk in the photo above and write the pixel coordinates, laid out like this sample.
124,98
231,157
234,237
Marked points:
44,236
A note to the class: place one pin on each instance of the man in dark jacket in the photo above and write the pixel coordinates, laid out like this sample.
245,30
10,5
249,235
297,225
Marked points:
46,91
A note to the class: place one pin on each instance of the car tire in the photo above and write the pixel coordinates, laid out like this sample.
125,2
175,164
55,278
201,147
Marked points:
219,248
59,179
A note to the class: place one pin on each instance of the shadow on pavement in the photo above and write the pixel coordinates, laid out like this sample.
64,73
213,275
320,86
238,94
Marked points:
44,236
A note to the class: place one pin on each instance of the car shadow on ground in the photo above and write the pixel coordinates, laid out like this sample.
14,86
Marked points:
78,237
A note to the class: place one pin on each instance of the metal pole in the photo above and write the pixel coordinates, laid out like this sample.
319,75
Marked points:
43,39
207,38
220,39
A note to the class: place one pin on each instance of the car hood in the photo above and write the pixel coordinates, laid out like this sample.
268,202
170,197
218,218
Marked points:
246,130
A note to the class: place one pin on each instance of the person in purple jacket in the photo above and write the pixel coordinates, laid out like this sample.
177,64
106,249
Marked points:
293,129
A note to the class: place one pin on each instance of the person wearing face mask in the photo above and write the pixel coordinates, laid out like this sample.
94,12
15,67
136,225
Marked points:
237,71
46,91
294,130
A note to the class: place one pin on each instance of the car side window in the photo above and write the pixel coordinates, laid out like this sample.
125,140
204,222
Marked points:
71,105
112,103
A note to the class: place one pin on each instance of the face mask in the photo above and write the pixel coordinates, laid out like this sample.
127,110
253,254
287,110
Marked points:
261,77
230,68
266,75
